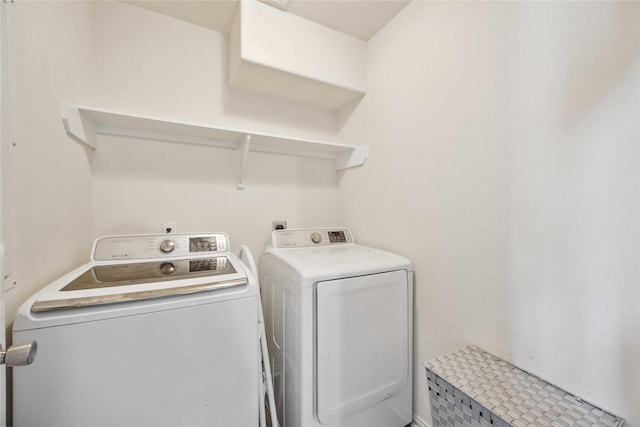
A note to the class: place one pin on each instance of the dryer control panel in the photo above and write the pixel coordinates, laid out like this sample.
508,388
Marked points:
143,246
309,237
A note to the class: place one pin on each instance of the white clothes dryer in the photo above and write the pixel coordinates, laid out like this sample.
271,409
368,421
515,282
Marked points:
339,322
156,330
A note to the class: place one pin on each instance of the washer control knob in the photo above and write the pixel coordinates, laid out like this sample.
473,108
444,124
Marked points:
167,246
167,268
316,237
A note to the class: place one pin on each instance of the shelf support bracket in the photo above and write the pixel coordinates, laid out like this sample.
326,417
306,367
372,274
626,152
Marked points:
78,128
243,151
357,157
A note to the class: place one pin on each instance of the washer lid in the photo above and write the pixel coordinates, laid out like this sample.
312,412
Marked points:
309,265
103,284
137,278
51,306
135,273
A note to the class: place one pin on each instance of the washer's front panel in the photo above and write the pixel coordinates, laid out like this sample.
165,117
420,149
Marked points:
195,366
362,326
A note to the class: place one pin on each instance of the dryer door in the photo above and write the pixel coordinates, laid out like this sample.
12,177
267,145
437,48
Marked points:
362,354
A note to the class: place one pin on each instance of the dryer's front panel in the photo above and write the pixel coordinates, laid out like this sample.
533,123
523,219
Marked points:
362,353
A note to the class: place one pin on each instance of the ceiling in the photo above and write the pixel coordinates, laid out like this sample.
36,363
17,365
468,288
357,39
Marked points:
359,18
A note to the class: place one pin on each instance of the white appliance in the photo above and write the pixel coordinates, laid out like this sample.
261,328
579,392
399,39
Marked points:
339,322
156,330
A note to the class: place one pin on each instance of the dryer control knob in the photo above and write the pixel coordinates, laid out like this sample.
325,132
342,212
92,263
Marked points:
167,246
316,237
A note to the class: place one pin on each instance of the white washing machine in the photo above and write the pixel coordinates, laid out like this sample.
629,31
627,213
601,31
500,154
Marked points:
339,322
156,330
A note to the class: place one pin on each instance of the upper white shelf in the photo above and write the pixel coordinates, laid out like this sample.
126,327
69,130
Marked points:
84,123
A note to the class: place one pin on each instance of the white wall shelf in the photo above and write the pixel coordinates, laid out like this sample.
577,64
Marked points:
84,123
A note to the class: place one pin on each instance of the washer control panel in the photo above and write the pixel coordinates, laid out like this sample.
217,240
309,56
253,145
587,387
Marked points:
158,245
309,237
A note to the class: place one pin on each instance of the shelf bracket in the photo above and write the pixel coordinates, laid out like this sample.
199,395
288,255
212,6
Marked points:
243,151
77,127
357,157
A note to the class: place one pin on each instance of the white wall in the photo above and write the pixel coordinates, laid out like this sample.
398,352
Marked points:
49,200
150,64
504,163
574,284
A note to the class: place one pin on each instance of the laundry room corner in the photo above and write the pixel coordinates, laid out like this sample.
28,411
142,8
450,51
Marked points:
472,171
504,164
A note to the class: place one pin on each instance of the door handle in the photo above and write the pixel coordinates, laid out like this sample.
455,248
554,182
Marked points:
19,354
